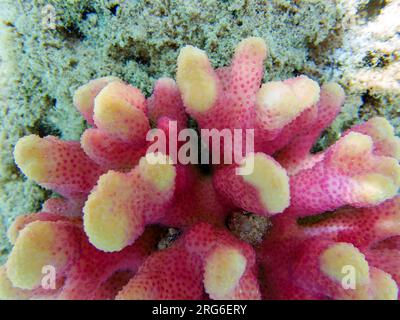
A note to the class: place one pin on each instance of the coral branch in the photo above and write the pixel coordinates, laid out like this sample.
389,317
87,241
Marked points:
348,174
263,189
122,204
39,244
61,166
224,98
382,133
364,227
296,155
166,102
204,260
81,271
284,110
84,96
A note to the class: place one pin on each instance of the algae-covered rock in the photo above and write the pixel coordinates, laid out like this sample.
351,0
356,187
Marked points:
366,63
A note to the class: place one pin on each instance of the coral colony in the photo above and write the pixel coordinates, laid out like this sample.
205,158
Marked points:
327,224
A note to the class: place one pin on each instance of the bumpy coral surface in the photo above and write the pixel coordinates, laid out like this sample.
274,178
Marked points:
330,220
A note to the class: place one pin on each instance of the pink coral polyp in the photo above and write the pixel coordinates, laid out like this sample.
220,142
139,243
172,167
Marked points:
331,211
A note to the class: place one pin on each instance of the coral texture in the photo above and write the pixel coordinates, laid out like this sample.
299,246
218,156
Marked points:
100,235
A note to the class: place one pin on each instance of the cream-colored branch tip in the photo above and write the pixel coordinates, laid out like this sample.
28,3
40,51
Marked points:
353,146
343,259
8,291
383,285
114,214
379,181
32,157
340,255
335,91
269,179
157,169
84,96
284,101
222,272
39,244
253,46
118,110
109,220
196,79
385,141
16,227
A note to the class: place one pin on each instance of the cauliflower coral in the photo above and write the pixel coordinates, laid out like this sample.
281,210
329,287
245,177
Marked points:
319,214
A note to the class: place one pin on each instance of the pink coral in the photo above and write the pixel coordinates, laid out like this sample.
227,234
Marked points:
100,238
82,271
204,259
